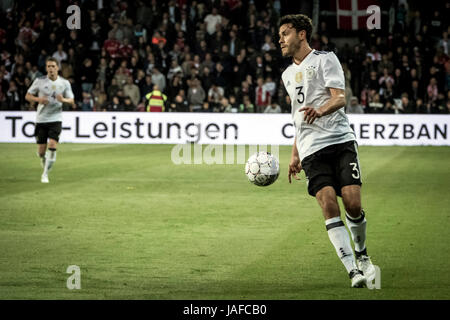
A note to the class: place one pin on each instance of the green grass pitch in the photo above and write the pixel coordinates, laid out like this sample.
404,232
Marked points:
140,227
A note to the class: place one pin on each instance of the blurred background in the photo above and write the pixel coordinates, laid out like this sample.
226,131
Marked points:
222,56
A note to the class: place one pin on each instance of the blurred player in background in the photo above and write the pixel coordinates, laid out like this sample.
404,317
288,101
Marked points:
50,92
325,145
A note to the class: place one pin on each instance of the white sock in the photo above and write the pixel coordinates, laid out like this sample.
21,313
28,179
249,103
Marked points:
340,239
357,228
50,159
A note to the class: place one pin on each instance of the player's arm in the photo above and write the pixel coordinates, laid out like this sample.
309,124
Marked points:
68,95
334,78
336,101
32,98
32,94
60,98
295,166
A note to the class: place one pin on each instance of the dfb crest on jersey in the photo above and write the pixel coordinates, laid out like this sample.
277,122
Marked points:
310,73
299,77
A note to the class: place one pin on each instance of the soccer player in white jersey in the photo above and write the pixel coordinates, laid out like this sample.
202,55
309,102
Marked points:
325,145
50,92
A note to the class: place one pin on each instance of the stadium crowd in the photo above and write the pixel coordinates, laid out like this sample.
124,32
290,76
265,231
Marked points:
213,56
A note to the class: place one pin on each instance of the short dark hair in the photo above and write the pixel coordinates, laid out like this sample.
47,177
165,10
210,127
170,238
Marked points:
52,60
299,22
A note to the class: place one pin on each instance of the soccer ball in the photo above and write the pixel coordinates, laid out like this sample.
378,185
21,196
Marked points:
262,169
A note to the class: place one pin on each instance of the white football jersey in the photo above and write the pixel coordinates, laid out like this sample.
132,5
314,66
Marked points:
44,87
307,85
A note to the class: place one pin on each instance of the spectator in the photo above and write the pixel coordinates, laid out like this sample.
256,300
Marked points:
420,106
111,46
415,92
196,95
206,107
207,62
101,71
375,105
125,49
443,43
180,103
112,89
174,69
273,108
87,103
407,105
219,76
385,63
175,85
247,106
373,81
88,75
400,83
100,101
386,77
263,98
233,103
225,106
116,105
35,73
215,95
132,91
116,32
13,100
235,44
129,105
270,86
213,20
158,79
436,25
60,54
158,38
354,106
432,90
156,100
207,78
122,74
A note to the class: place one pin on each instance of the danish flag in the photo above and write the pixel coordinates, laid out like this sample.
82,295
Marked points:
351,14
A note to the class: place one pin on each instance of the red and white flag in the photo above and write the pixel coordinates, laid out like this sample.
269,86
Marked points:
352,14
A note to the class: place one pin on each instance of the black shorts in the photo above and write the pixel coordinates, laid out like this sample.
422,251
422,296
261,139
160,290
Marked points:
46,130
336,166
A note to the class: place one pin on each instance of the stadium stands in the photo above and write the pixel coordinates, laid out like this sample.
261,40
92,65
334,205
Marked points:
186,47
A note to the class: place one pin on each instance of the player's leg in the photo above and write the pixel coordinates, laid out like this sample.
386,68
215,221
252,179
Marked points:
41,134
54,132
321,177
355,217
338,234
349,175
50,155
356,222
41,148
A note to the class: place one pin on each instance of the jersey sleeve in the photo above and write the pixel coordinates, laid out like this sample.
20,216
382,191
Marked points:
68,93
332,72
34,88
284,80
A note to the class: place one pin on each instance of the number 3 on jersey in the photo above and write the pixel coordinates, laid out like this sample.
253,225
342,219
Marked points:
355,175
301,95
